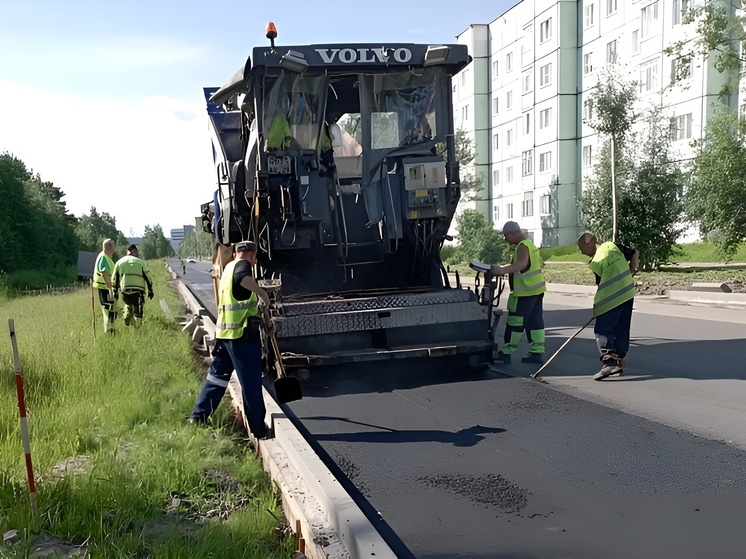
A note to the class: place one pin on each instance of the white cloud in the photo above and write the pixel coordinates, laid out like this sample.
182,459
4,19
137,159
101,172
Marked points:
146,164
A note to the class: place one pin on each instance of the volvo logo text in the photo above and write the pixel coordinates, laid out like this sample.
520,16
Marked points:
349,56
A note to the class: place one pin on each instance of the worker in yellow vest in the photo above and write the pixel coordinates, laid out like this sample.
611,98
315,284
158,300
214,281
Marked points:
613,264
238,344
131,278
103,270
526,300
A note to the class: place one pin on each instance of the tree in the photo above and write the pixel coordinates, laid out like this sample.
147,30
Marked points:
719,30
32,215
155,244
477,240
716,197
652,207
196,243
648,181
93,228
471,184
612,115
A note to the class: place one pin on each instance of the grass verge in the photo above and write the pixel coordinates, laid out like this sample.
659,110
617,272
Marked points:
116,465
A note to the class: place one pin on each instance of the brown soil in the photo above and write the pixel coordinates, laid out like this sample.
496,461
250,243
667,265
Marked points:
662,287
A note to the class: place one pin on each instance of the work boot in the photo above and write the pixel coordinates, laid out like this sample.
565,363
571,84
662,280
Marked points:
503,358
612,365
197,420
535,358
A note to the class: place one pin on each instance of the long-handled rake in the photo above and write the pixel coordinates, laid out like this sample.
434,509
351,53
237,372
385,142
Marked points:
544,366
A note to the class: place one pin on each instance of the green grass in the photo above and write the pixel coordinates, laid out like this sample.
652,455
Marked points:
122,402
691,252
38,279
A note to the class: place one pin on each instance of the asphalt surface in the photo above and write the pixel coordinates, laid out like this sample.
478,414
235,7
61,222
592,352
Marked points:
495,464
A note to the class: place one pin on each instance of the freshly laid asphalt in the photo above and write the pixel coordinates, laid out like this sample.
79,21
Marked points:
488,465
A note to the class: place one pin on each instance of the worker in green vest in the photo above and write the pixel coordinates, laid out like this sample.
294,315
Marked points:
526,300
238,344
613,264
103,270
131,278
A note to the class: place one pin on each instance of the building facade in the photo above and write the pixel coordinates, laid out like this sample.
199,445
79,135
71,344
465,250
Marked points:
523,99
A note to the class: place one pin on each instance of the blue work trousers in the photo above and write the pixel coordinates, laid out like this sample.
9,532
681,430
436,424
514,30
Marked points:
245,356
612,329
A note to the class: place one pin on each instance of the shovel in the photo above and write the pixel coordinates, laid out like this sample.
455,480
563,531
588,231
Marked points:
287,389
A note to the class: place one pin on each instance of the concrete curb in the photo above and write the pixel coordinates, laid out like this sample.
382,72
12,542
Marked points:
329,523
708,298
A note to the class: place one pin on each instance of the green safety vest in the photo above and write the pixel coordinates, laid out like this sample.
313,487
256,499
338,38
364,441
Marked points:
232,313
617,285
531,282
280,135
98,276
132,272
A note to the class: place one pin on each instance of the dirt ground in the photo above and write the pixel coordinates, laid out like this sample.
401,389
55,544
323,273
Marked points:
661,287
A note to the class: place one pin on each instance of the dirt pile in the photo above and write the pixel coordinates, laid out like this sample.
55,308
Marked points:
662,287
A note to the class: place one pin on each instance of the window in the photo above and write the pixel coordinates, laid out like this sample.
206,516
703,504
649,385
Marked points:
508,211
649,20
527,206
680,8
527,82
495,70
528,163
509,138
509,174
611,7
528,123
464,76
496,210
611,52
681,69
545,162
495,177
588,15
545,204
545,75
636,40
588,63
587,156
465,113
509,62
509,100
684,127
496,141
545,30
649,77
587,109
545,118
496,105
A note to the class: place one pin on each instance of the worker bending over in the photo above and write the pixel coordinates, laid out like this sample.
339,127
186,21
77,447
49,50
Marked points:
613,264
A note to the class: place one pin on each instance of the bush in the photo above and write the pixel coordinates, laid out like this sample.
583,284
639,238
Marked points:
477,240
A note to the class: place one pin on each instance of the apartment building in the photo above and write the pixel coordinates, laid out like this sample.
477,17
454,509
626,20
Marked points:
523,99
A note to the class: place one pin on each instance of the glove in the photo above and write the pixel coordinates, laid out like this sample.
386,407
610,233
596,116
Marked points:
150,294
113,294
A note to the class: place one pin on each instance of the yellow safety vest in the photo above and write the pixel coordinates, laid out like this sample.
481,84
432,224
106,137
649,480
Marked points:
233,314
617,285
531,282
98,276
132,272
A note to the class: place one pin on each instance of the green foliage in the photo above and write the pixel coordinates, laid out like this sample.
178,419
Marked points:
155,244
716,198
718,32
649,182
471,184
149,485
36,232
477,240
196,244
569,253
93,228
611,106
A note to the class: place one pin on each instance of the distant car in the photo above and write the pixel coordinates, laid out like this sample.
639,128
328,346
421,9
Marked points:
191,261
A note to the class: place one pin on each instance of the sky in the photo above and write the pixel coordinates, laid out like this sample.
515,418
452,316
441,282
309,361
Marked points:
104,99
